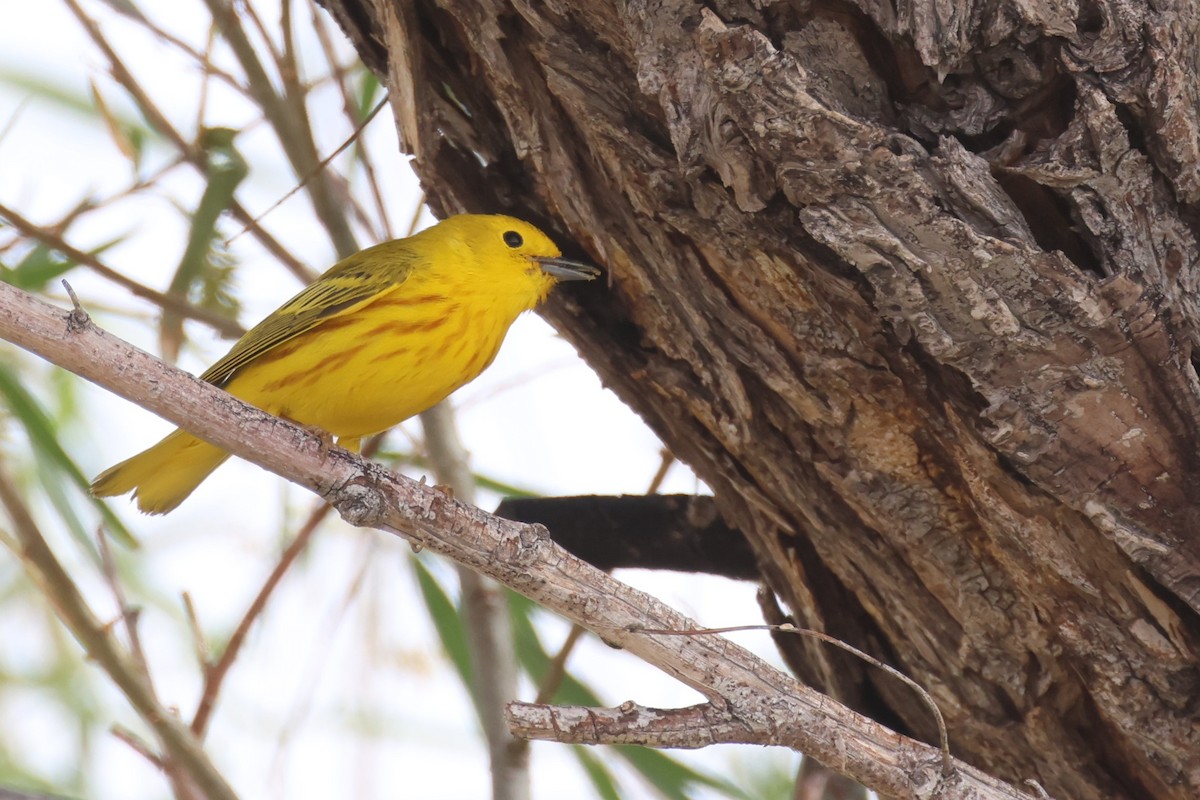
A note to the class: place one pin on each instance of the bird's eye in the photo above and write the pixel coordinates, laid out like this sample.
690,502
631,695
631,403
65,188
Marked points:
513,239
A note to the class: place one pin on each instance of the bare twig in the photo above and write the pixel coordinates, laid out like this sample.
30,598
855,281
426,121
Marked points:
289,120
319,660
129,614
488,626
190,152
79,317
558,665
668,459
1037,787
199,644
752,692
182,749
222,324
11,122
138,745
200,58
214,676
340,75
316,170
926,698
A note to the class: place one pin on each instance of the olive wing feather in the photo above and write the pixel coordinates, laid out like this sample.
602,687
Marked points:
347,286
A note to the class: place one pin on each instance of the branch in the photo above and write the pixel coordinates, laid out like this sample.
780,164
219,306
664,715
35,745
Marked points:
521,556
184,752
218,322
677,532
488,626
214,674
681,728
190,152
289,120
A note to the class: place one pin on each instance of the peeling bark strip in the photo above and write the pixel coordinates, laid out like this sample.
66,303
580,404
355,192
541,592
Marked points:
914,288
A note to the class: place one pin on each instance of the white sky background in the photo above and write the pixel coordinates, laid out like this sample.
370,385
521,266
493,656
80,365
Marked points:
342,690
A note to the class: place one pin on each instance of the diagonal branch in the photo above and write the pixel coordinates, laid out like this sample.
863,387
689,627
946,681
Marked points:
30,230
185,760
521,556
189,150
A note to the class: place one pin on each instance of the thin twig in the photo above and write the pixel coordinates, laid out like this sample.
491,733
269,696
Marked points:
321,25
252,13
11,122
415,219
190,152
558,665
205,68
137,745
557,670
199,644
489,635
46,236
319,660
129,614
321,165
182,749
668,460
1037,787
79,317
291,127
926,697
214,677
201,59
214,674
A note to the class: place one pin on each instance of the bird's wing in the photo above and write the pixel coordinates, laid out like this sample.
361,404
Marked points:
351,283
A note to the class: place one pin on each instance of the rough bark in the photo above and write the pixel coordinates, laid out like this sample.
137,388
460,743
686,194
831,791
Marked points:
913,287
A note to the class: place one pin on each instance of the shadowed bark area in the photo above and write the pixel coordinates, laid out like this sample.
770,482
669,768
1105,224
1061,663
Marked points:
913,288
678,532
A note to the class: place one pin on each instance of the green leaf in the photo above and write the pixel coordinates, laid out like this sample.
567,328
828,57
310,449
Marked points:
71,99
53,462
42,264
447,621
368,92
602,779
39,266
674,779
202,266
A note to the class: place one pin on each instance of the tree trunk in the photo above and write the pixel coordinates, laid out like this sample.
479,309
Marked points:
913,287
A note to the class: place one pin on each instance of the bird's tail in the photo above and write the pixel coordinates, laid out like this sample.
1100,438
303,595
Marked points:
162,477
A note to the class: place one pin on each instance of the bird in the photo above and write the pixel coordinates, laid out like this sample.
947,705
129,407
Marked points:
381,336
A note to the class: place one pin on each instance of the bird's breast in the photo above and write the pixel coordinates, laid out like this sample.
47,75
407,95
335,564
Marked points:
363,372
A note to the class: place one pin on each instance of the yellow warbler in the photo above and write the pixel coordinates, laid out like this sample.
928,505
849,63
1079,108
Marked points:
383,335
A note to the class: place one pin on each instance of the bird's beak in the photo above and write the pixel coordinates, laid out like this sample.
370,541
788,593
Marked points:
564,269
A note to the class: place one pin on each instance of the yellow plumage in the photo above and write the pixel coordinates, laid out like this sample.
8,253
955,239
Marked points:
383,335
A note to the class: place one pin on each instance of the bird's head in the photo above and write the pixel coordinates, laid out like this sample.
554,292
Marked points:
505,256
